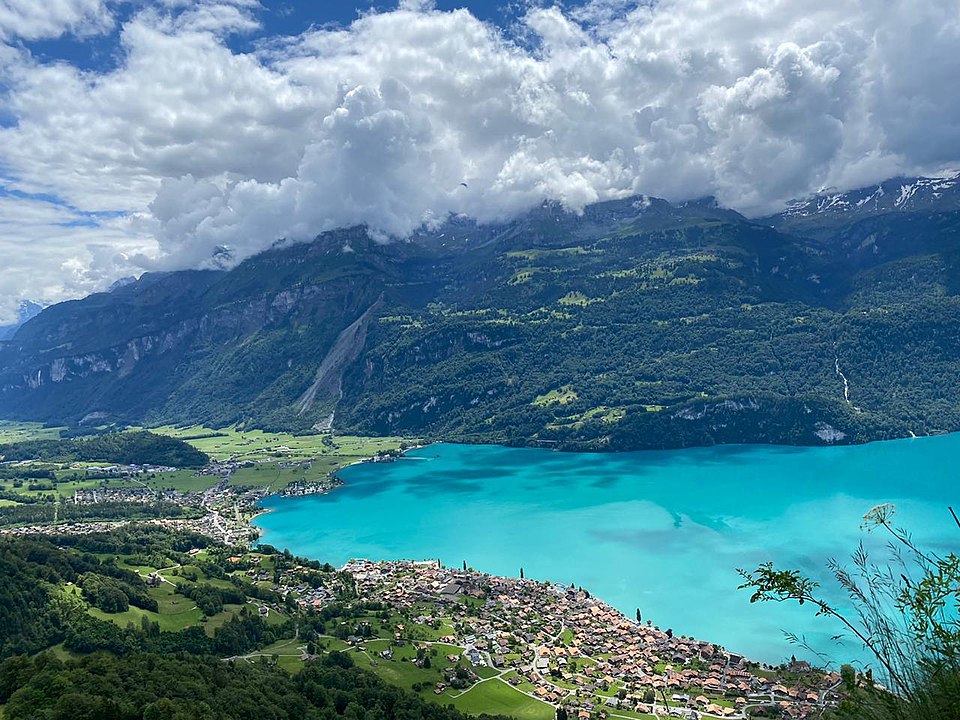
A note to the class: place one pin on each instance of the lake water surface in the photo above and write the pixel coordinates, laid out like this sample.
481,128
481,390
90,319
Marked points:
661,531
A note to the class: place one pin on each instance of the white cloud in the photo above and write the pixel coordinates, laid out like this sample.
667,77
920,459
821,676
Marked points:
41,19
52,253
381,121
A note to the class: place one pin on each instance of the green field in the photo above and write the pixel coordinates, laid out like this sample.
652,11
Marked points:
401,670
561,396
314,458
289,654
490,696
127,563
325,643
227,443
176,612
524,685
495,697
66,488
630,714
274,477
185,481
318,455
212,622
11,432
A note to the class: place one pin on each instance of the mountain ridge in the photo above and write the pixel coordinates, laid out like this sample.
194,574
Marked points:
26,310
898,194
638,323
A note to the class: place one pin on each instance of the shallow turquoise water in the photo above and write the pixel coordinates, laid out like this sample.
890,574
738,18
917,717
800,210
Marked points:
662,531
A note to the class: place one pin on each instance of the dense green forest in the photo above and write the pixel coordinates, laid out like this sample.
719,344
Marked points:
163,687
142,672
636,324
33,615
125,448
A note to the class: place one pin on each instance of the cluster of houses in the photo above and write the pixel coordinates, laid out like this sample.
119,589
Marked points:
227,531
299,488
85,496
77,528
224,505
224,468
308,597
568,648
309,588
123,470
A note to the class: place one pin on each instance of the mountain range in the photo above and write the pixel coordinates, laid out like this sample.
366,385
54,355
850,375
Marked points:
25,311
638,323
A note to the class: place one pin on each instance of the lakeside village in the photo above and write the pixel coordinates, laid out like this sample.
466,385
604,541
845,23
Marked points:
553,643
562,646
222,512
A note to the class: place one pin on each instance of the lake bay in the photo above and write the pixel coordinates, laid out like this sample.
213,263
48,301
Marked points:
660,531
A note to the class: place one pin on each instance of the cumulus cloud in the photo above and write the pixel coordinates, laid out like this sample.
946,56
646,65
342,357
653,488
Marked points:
51,252
380,122
42,19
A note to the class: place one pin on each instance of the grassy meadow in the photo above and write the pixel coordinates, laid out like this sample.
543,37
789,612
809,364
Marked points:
11,432
233,443
496,697
311,458
175,611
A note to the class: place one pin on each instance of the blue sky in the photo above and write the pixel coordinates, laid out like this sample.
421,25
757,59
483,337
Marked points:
277,17
141,135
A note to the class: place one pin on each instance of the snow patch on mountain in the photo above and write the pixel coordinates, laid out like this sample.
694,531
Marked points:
940,192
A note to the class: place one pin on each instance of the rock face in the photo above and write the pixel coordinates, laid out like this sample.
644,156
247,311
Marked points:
639,323
176,345
828,433
326,387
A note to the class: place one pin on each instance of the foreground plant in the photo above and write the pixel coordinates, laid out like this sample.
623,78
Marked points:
905,612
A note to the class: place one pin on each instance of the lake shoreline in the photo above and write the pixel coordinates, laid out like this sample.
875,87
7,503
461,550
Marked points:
661,530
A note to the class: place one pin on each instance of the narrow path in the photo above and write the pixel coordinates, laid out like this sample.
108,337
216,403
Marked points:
478,682
259,653
156,493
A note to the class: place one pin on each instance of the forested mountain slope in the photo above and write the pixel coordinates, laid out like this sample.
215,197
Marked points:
66,655
636,324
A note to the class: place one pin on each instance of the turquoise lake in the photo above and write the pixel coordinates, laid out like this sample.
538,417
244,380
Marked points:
661,531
